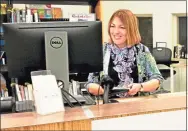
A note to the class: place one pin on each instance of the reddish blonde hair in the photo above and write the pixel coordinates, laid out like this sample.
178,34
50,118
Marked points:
130,23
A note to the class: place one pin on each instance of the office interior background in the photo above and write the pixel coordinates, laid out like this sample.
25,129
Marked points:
162,22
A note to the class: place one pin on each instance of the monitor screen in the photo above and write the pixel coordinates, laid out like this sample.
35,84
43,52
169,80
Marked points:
25,47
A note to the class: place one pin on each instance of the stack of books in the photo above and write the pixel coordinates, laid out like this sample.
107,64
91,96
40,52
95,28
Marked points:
23,93
2,43
3,19
33,13
1,36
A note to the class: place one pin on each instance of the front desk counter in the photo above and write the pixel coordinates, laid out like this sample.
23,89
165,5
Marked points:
106,116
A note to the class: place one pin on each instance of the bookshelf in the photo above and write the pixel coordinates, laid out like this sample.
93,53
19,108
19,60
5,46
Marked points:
92,3
76,2
94,6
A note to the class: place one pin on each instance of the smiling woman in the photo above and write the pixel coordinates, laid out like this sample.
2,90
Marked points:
126,60
123,29
118,32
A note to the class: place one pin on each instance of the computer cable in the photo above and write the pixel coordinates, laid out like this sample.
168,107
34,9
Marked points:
72,96
98,95
67,100
91,97
67,91
64,96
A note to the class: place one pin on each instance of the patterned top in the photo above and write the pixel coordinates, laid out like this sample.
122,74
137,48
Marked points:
127,60
123,61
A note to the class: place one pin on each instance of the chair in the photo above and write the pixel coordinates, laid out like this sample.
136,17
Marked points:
163,56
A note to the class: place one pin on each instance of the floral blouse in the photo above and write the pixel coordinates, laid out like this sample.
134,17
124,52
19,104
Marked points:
130,65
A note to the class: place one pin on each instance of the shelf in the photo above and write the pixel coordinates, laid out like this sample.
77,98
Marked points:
63,2
93,3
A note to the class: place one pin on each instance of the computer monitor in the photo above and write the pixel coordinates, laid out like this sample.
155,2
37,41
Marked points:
25,47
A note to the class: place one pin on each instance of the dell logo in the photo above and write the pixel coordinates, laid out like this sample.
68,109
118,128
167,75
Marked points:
56,42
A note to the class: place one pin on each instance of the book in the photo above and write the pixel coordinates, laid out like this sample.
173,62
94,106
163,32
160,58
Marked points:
13,16
57,13
30,91
38,6
23,15
6,93
29,16
33,11
41,13
26,93
17,15
22,92
3,9
18,92
48,13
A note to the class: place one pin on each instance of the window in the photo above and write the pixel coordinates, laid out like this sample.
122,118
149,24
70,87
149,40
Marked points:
146,31
182,31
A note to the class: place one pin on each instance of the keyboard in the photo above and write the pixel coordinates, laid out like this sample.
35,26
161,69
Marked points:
89,100
84,100
80,98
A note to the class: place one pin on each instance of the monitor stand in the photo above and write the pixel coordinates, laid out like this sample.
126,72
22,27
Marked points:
56,51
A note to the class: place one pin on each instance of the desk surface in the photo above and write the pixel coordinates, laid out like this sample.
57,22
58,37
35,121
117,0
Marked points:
126,107
144,105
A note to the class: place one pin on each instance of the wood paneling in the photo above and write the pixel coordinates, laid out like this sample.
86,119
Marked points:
99,16
32,118
98,10
69,126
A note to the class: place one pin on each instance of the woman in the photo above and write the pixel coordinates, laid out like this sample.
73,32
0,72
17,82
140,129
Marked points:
128,62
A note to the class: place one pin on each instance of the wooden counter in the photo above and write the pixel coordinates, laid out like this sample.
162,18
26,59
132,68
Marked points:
71,119
144,105
80,118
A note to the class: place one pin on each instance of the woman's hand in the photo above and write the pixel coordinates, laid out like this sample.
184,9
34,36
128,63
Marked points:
134,88
93,88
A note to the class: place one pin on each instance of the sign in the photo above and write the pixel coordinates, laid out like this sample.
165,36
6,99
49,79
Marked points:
82,17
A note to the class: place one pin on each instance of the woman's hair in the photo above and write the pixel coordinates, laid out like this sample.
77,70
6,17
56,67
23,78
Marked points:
130,23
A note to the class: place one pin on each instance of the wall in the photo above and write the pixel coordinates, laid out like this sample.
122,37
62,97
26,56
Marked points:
161,11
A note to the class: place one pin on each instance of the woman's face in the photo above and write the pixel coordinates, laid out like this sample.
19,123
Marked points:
118,32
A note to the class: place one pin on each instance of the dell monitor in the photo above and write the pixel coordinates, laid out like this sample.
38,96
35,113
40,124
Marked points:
25,47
